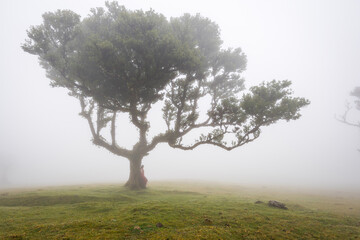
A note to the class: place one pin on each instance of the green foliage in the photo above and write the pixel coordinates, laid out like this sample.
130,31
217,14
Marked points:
271,102
113,56
53,43
118,60
187,211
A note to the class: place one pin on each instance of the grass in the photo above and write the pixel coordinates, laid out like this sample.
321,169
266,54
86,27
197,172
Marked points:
186,211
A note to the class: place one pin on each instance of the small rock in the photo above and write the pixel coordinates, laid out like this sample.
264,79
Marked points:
159,225
258,202
277,204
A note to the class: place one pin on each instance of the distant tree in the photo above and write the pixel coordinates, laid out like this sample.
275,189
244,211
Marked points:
121,61
344,118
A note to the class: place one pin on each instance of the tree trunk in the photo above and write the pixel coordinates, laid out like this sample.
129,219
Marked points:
135,180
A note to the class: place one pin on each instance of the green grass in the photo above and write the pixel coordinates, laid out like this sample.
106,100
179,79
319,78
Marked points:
186,210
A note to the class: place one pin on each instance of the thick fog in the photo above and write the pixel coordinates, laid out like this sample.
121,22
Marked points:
315,44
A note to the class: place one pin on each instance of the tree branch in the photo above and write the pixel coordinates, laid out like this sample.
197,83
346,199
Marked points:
223,146
97,138
245,139
349,123
87,115
113,131
161,138
112,148
140,124
343,118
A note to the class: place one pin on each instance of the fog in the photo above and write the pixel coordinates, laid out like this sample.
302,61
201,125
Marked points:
315,44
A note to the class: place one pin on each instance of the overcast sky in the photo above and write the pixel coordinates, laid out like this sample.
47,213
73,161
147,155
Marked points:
315,44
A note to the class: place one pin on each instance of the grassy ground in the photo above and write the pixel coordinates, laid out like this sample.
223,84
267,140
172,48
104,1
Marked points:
186,211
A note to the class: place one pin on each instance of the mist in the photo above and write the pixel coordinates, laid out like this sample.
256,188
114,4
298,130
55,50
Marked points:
315,44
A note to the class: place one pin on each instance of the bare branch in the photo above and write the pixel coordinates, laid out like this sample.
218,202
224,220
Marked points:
344,119
99,119
97,138
349,123
254,132
99,141
161,138
113,127
87,115
195,126
209,142
170,136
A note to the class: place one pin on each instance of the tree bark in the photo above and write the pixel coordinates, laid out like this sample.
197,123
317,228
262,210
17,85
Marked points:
135,180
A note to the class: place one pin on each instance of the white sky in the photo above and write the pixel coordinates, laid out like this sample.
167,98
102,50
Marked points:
315,44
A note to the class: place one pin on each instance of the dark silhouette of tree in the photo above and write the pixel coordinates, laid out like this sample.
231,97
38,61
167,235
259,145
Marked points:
121,61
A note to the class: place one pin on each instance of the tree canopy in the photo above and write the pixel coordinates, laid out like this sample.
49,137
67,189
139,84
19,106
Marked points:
122,61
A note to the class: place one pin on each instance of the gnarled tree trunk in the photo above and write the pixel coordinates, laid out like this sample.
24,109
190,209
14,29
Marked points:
135,180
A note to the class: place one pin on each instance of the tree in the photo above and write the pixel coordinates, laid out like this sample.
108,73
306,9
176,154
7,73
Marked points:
120,61
344,118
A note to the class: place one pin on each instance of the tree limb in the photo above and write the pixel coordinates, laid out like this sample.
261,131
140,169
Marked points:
113,131
241,141
343,118
97,138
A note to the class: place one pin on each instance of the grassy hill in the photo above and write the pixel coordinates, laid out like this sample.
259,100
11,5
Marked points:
185,211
